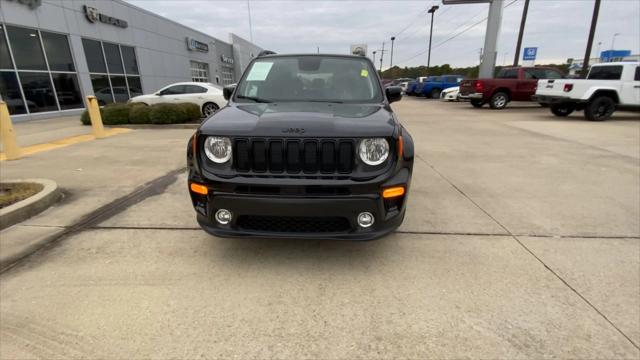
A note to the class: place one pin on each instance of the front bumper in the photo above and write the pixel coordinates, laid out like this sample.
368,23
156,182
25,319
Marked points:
281,208
471,96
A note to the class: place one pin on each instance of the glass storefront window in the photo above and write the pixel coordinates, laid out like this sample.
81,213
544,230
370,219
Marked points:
27,51
129,58
10,92
58,53
38,91
114,61
44,68
120,92
5,57
95,58
109,81
67,90
101,89
135,87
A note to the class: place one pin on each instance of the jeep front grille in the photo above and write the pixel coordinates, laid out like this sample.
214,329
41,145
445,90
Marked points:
293,156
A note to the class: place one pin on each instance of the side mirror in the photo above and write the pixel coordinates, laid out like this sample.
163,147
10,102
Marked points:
228,90
159,93
394,93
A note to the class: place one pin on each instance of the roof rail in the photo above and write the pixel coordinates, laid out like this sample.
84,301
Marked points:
266,52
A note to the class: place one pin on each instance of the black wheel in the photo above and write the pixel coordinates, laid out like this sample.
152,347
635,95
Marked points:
477,103
435,93
600,108
499,100
562,110
209,109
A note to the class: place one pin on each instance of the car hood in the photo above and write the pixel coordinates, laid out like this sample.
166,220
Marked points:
301,120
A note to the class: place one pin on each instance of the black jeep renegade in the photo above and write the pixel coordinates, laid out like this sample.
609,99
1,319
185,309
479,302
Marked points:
308,146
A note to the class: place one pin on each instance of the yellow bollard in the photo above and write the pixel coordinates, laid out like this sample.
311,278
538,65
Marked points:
96,119
7,135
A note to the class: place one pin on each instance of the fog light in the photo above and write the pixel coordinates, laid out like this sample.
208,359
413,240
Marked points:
365,219
223,216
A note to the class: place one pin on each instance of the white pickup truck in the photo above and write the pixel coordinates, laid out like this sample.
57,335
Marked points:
608,86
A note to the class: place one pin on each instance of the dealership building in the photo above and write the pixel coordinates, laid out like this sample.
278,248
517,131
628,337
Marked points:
53,53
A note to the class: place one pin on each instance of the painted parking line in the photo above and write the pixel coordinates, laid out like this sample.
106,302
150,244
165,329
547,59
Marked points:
33,149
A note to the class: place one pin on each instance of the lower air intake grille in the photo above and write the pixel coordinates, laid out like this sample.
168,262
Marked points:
293,224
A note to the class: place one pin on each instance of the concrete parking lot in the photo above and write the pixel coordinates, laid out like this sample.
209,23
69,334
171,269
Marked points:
522,240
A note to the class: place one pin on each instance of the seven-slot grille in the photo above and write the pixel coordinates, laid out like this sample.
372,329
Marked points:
293,156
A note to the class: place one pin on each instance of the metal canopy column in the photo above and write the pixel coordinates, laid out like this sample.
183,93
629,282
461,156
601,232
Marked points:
491,39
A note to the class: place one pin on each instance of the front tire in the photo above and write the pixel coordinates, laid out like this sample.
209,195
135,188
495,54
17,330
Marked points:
562,110
435,93
209,109
499,100
600,108
477,103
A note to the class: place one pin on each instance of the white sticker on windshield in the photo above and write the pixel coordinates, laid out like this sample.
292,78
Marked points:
259,71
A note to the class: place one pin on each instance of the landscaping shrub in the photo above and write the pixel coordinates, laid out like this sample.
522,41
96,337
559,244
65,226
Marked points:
167,114
192,111
140,114
115,114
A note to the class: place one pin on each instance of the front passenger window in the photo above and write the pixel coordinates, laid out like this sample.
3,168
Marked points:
173,90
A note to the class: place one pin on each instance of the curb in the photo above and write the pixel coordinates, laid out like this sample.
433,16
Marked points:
33,205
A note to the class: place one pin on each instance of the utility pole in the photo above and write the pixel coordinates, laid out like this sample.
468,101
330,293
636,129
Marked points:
522,23
592,31
381,55
318,49
391,61
431,11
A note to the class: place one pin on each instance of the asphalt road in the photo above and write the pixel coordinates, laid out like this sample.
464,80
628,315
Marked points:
522,240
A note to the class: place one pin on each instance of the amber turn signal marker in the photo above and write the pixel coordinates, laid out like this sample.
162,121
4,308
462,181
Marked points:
400,147
393,192
199,189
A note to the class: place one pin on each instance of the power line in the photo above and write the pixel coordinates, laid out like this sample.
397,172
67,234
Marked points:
453,37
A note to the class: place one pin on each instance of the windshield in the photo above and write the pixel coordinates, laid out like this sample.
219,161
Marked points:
310,78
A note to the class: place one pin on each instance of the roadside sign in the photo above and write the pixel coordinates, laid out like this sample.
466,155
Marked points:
529,53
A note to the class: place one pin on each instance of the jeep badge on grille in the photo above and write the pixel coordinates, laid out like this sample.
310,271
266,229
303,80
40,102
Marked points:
293,131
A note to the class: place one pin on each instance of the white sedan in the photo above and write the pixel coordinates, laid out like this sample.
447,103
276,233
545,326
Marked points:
207,96
450,94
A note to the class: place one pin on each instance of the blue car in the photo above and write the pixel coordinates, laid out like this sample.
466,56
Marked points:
435,84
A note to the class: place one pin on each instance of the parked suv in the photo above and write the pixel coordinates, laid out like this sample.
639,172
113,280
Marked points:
511,84
308,146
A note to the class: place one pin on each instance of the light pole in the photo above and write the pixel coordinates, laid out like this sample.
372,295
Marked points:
598,51
613,40
431,11
374,57
391,61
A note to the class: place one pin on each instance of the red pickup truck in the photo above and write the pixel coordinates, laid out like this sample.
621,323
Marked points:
511,84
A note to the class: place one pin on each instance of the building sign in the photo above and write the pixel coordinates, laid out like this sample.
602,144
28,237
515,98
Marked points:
225,59
359,49
195,45
32,4
529,53
93,16
614,55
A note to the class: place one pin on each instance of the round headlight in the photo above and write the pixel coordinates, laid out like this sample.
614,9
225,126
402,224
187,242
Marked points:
374,151
218,149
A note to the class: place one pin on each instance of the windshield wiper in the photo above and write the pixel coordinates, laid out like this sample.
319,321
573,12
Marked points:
254,98
324,101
